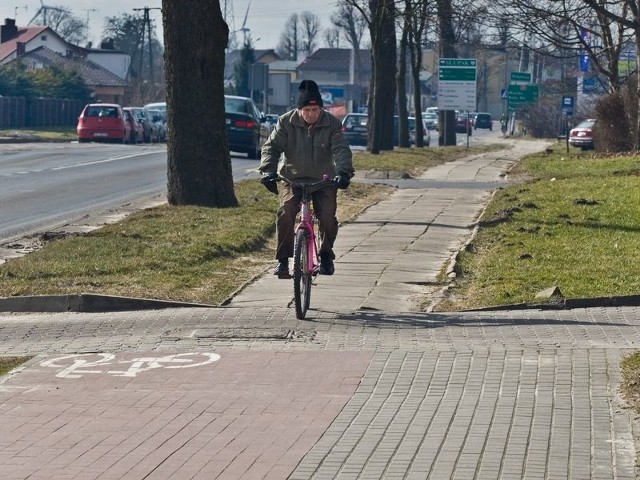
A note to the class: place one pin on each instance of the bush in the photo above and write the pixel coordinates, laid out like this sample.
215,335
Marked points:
616,114
544,119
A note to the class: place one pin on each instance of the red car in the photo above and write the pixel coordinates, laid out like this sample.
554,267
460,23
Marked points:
137,130
463,124
582,135
103,122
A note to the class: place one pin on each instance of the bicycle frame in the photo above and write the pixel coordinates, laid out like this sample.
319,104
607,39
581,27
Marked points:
306,262
307,222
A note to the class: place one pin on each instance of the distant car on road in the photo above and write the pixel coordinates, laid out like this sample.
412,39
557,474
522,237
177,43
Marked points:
581,135
103,122
483,120
431,120
426,137
246,130
463,124
355,128
270,121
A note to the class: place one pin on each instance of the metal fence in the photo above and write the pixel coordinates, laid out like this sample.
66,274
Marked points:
19,112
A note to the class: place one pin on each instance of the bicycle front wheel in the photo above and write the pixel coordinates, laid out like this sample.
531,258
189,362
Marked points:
301,274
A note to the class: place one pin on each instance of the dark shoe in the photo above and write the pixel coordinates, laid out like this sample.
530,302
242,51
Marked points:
326,264
282,269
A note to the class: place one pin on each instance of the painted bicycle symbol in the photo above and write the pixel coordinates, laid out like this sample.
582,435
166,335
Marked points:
78,365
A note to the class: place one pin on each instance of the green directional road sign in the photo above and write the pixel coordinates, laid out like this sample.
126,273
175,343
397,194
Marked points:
520,77
457,83
517,95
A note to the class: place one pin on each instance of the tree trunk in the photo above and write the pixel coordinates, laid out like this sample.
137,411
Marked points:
403,123
416,67
383,91
637,125
447,120
199,164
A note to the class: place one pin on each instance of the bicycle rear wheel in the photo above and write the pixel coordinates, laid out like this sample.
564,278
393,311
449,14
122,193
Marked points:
301,275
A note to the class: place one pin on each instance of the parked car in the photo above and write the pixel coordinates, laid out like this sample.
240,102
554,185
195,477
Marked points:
246,129
483,120
159,110
426,136
158,124
431,120
162,106
463,124
140,116
355,128
103,122
149,129
581,135
137,130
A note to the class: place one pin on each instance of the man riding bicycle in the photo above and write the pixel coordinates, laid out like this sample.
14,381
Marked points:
306,144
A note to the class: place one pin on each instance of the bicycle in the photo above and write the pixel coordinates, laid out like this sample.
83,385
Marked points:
306,258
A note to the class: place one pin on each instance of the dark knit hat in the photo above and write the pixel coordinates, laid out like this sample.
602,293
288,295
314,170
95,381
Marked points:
309,94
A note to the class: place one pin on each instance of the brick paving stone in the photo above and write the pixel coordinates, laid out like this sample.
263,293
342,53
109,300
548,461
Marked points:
367,388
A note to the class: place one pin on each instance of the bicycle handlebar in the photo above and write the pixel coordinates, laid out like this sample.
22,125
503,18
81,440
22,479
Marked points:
293,184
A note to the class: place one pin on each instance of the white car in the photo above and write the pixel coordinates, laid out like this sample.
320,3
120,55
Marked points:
431,120
426,138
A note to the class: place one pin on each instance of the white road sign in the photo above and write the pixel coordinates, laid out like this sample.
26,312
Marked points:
457,84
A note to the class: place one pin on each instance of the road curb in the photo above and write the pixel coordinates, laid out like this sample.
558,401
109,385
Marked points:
566,304
88,303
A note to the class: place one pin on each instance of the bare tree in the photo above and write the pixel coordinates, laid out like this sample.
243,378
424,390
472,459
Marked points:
573,28
289,44
332,37
416,16
352,24
380,18
627,14
310,27
199,164
126,32
401,75
300,34
62,21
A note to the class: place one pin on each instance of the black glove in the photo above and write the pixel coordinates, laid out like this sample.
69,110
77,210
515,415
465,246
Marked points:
341,181
269,181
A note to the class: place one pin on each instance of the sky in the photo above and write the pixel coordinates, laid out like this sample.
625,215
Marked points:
265,18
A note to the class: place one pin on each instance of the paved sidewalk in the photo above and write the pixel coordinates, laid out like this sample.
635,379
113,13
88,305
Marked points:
368,387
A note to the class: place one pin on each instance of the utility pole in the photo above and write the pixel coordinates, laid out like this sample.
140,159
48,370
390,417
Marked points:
227,14
146,29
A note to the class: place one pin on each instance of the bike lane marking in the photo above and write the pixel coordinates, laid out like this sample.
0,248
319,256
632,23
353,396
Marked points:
78,365
235,413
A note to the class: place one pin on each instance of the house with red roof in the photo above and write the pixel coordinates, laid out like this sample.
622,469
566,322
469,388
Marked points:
104,70
16,41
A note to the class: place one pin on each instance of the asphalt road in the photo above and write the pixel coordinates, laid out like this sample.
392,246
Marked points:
43,185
